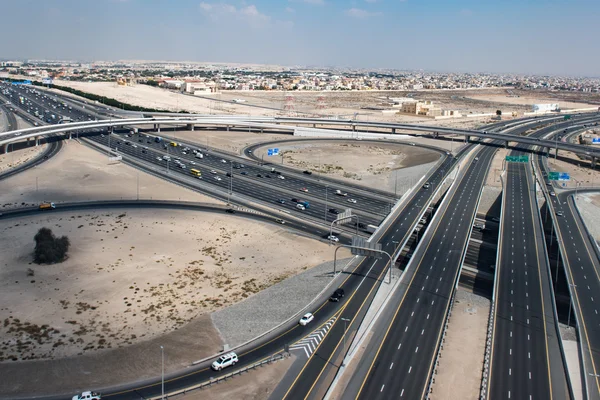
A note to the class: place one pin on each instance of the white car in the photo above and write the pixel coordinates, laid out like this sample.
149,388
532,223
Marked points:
225,361
87,396
306,319
224,161
333,238
353,201
281,177
218,178
212,171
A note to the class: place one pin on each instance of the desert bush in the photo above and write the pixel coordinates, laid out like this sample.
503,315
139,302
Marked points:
48,248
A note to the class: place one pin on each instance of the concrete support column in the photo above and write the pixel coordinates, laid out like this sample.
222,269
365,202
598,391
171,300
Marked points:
227,128
28,139
393,131
314,125
594,161
261,130
157,128
37,140
353,128
506,144
70,135
190,127
4,148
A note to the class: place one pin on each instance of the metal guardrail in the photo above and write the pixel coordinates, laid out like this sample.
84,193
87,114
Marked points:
216,381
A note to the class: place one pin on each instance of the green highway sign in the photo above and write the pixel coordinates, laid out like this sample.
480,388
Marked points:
559,176
517,159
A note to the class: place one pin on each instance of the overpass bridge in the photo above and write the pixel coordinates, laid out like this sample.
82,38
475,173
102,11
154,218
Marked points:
290,124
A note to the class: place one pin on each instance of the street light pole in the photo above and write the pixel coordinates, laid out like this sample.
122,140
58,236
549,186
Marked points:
162,352
346,320
326,187
570,302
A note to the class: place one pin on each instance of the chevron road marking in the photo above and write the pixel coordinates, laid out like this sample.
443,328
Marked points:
309,343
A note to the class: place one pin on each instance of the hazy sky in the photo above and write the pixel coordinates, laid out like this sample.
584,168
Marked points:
523,36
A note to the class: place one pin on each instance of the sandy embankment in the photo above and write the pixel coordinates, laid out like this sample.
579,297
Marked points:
134,274
15,158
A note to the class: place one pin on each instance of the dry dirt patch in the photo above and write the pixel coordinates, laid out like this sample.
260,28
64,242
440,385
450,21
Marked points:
15,158
464,349
132,275
373,165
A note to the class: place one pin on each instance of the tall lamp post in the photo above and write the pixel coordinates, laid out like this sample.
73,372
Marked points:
346,320
570,301
326,187
162,352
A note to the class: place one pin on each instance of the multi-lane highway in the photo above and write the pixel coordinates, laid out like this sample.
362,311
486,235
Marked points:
526,358
582,270
400,359
397,363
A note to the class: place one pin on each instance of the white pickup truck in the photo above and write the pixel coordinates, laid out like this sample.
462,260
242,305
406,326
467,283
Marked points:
87,396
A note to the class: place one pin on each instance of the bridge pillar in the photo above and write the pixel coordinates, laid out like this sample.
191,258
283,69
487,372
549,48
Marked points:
28,139
594,161
157,128
70,135
37,140
467,138
261,130
314,125
353,128
5,148
506,144
190,127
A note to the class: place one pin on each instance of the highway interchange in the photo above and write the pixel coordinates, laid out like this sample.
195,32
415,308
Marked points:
401,358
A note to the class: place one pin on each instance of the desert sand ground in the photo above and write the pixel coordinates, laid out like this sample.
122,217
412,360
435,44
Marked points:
78,173
372,165
527,100
362,105
132,275
464,349
589,206
585,176
232,141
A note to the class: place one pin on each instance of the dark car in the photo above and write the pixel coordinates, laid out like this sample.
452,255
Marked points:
337,295
294,200
236,166
334,211
228,174
281,201
243,173
230,211
268,176
258,175
307,172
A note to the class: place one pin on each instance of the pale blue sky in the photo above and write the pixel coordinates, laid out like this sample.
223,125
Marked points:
527,36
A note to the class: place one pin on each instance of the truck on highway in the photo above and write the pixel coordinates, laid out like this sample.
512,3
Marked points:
47,206
305,203
371,228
